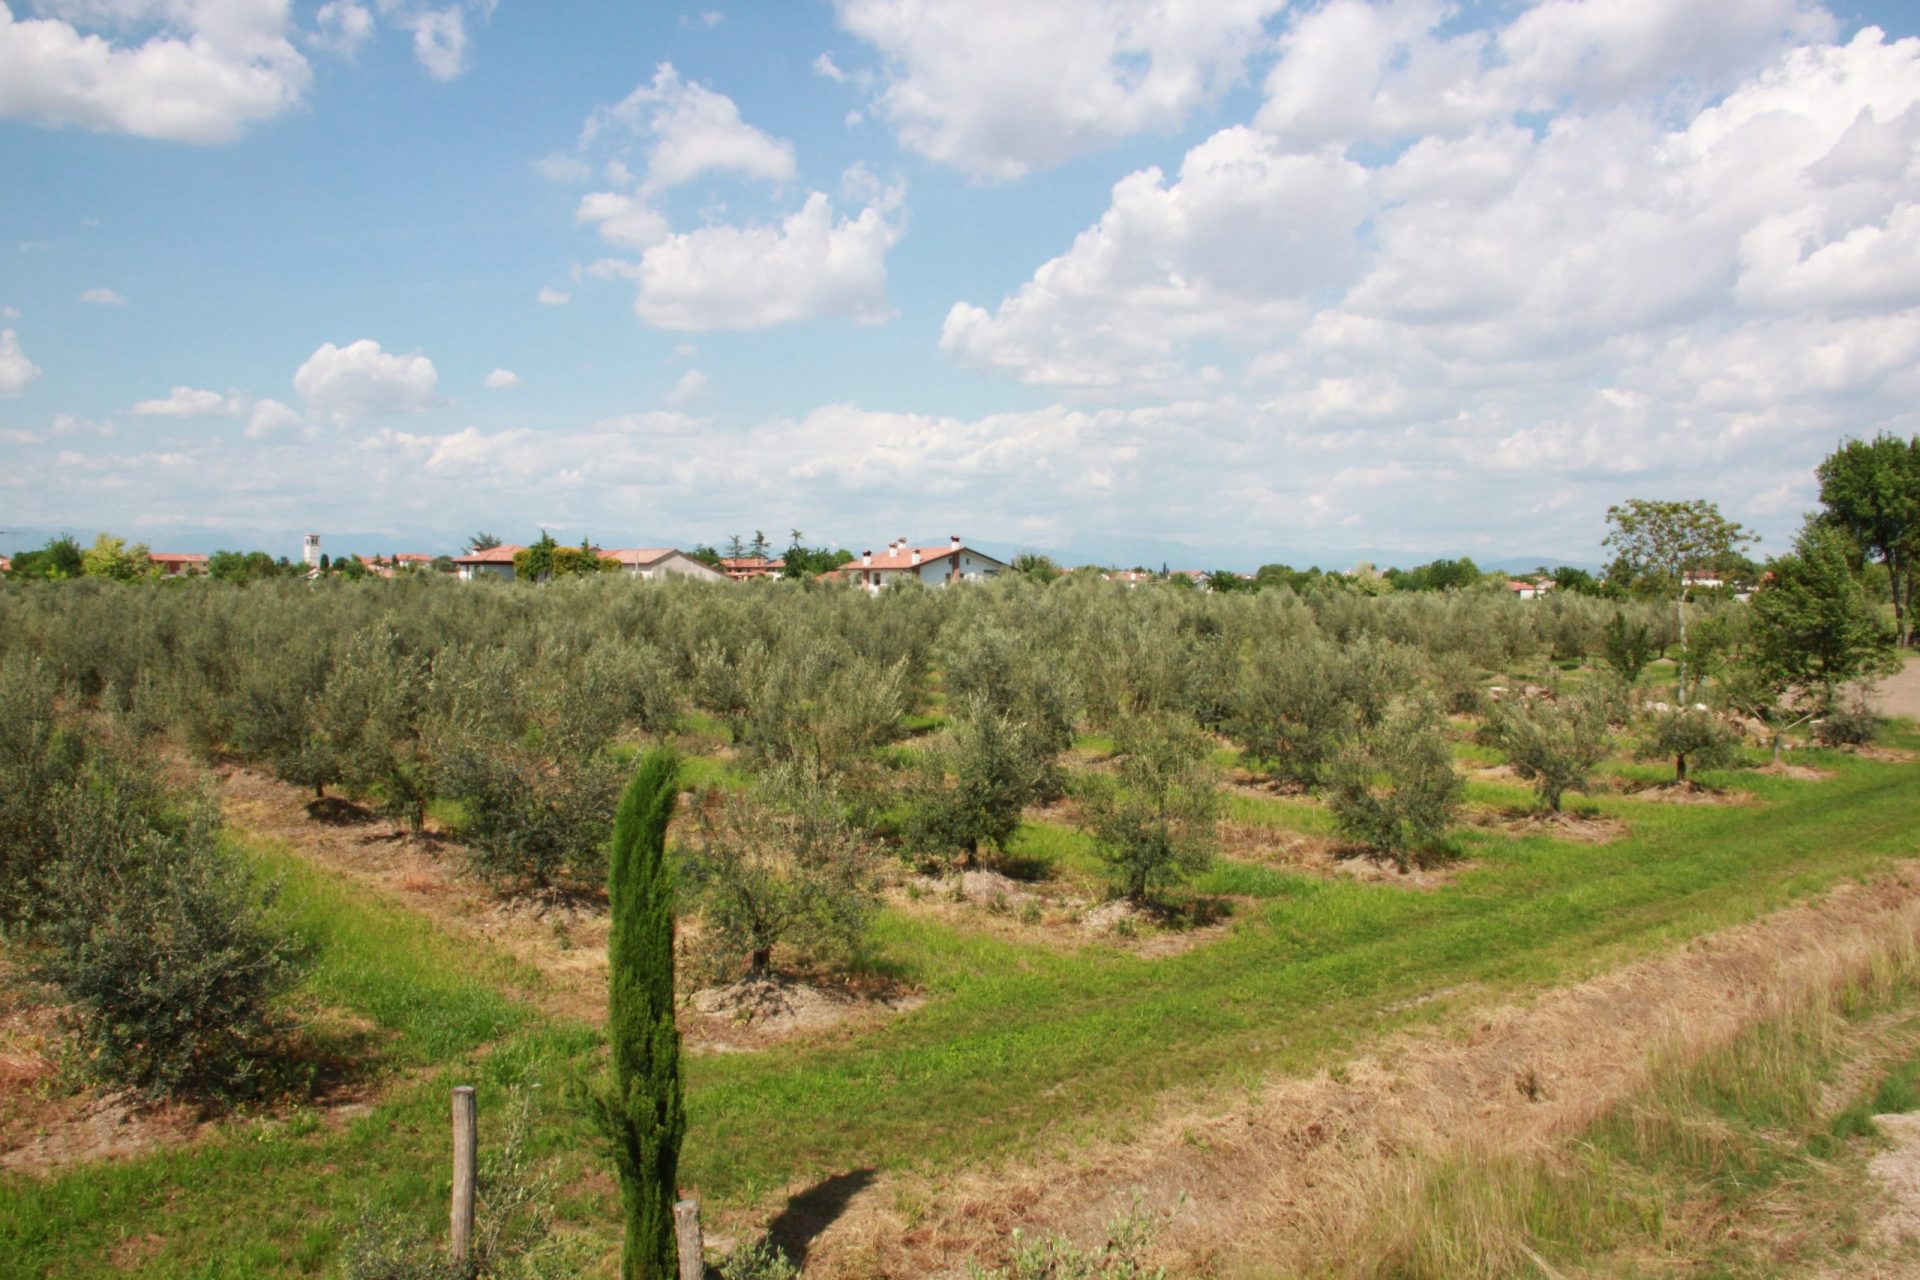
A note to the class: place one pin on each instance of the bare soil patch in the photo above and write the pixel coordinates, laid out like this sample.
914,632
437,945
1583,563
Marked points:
1899,695
1569,825
1321,855
1797,772
1301,1169
1691,793
756,1013
1034,914
1897,1169
1884,755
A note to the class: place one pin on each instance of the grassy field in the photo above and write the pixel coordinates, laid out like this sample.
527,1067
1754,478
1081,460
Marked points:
1022,1050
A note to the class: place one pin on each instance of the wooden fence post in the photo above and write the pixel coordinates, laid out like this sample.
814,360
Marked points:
686,1230
465,1137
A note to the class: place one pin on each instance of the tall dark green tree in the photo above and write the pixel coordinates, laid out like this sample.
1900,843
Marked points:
642,1112
1872,490
1813,627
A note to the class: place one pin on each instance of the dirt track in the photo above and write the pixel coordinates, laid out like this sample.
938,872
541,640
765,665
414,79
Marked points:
1300,1170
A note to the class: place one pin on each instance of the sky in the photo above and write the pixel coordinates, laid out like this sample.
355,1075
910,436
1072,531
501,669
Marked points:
1122,280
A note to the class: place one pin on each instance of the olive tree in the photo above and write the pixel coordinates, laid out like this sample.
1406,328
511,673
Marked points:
1553,744
777,865
1691,737
1152,823
1392,785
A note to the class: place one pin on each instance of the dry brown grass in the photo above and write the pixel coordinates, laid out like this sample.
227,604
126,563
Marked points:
1323,1176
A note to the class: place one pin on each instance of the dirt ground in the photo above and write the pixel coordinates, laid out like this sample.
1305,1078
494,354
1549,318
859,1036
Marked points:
1900,695
1302,1166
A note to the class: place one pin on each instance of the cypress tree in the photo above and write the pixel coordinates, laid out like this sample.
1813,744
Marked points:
642,1114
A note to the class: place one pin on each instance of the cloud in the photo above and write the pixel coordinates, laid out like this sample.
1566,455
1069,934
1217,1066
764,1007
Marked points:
552,297
1236,247
563,168
440,41
186,402
204,73
502,380
704,20
342,26
808,265
998,91
268,418
691,386
16,371
689,131
825,67
104,298
360,379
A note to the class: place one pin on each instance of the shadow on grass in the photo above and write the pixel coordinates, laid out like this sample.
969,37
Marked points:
809,1213
338,811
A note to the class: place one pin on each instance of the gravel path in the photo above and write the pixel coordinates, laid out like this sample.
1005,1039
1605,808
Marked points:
1900,695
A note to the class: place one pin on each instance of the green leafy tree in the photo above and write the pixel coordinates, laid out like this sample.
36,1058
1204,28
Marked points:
59,559
1871,489
535,563
641,1112
1152,823
1813,628
1036,568
1553,744
1659,543
112,558
1393,788
1628,647
482,542
375,719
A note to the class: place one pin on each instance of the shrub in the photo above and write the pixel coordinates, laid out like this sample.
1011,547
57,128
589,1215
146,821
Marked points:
1302,699
780,866
1153,824
1847,726
37,761
1553,744
761,1260
1629,647
1121,1256
1393,787
160,941
1692,737
533,820
1457,679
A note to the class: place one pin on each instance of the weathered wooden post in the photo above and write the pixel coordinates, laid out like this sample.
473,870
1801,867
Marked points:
686,1230
465,1137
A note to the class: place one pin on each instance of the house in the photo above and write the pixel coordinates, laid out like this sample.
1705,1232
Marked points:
494,562
931,566
6,566
743,568
664,562
1524,590
178,564
1127,577
1703,578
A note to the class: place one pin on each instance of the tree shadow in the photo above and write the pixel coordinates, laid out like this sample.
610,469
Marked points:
337,811
811,1212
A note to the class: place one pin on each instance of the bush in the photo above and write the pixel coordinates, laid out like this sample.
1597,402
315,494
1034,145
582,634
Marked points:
1153,824
160,941
1457,679
1121,1256
782,866
1393,787
1629,647
1692,737
533,820
1553,744
37,762
1844,726
1302,699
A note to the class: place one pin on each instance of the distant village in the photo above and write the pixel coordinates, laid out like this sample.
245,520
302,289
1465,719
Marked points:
900,561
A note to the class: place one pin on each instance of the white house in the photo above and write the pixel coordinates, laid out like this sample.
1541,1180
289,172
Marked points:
663,562
1524,590
494,562
931,566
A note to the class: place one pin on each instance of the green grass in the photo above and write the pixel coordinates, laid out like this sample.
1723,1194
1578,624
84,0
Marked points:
1020,1049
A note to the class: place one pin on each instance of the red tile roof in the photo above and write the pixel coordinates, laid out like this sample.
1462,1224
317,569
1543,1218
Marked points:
502,554
900,558
638,556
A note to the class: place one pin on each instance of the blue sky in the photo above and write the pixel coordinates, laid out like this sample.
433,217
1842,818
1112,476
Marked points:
1126,279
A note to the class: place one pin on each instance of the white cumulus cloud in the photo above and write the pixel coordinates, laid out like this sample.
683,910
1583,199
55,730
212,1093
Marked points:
552,297
691,386
187,402
502,380
16,371
360,379
1000,88
104,298
269,417
440,40
203,73
810,264
342,26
